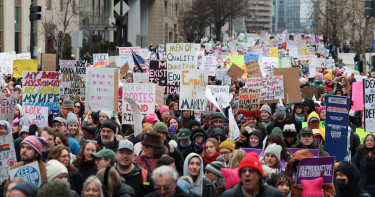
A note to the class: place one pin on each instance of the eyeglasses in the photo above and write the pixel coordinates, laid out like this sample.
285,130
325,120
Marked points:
57,125
77,106
162,187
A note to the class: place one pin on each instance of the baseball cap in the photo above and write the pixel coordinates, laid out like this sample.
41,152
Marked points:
184,134
106,153
306,130
313,118
59,119
125,144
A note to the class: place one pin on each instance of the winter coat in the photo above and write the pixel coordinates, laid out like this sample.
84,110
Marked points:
112,146
178,193
124,191
318,83
177,156
360,161
134,180
329,86
76,182
265,190
143,161
328,189
313,145
87,169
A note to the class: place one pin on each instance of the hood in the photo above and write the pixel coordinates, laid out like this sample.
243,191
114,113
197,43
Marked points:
197,186
346,80
351,171
260,135
297,156
310,102
313,115
6,123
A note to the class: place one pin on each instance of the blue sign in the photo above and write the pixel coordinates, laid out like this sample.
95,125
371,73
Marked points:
29,172
337,121
251,56
373,42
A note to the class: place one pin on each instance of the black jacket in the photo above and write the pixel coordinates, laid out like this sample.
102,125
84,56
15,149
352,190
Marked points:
124,191
179,193
87,169
113,146
177,156
265,190
134,180
76,182
360,161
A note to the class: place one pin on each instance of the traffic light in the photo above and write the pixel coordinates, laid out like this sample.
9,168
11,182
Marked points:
35,12
369,8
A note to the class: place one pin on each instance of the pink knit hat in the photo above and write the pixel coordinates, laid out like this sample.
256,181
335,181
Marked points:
312,188
320,75
151,118
163,109
36,142
231,177
320,109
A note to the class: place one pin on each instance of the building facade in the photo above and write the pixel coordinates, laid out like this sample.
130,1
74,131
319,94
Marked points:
259,16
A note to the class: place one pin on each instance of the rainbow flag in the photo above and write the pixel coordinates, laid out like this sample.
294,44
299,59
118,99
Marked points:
4,147
99,64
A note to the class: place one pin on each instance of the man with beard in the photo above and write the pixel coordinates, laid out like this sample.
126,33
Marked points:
130,172
48,133
31,150
59,126
107,137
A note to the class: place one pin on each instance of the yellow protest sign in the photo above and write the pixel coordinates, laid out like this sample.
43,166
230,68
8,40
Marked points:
237,59
24,65
303,51
362,134
274,52
243,66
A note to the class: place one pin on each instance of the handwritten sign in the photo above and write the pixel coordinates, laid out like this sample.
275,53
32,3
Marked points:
127,51
6,62
253,69
315,167
24,65
48,62
42,89
221,96
29,172
35,115
7,104
180,56
234,131
22,56
158,72
271,87
251,56
249,99
98,57
122,60
237,60
140,77
7,156
235,72
137,117
285,62
192,89
73,77
221,74
369,100
274,52
268,64
210,64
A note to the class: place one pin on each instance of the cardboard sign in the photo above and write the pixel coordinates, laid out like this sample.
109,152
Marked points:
48,62
139,77
122,60
101,89
220,94
7,104
291,84
369,103
253,69
235,72
268,64
336,142
98,57
271,87
237,60
24,65
309,92
6,62
124,69
35,115
73,77
42,89
193,88
7,156
29,172
357,96
143,95
314,152
180,56
312,168
159,95
210,64
249,99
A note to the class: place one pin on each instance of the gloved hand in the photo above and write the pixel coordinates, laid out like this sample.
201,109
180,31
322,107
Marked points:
172,129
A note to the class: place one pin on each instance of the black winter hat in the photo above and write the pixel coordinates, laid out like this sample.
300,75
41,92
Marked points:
193,123
95,117
110,124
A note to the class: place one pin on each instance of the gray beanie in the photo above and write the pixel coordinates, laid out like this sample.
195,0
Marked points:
266,108
29,189
215,167
280,113
274,149
71,118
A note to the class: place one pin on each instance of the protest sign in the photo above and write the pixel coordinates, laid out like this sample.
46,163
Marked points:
220,94
140,77
336,142
158,72
98,57
369,104
23,56
291,84
312,168
309,92
303,66
268,64
143,95
137,117
303,51
101,89
249,99
271,87
180,56
159,95
210,64
124,69
24,65
42,89
6,62
253,69
73,77
274,52
48,62
7,156
173,88
29,172
330,63
362,134
310,50
35,115
7,104
127,51
122,60
357,96
259,152
235,72
237,60
251,56
234,131
192,89
314,152
221,74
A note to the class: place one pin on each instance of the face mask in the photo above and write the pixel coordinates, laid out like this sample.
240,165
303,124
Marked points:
341,184
183,145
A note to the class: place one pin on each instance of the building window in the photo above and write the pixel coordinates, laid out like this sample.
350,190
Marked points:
48,4
165,8
17,26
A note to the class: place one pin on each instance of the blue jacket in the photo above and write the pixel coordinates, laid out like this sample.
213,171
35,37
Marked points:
73,145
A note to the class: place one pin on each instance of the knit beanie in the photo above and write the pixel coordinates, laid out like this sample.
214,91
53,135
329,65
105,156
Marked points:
151,118
184,185
146,128
229,144
277,131
232,89
71,118
94,117
231,177
328,76
320,109
266,108
302,81
193,123
312,188
110,124
274,149
251,160
35,142
280,112
319,75
68,104
55,168
29,189
163,109
160,127
215,168
290,130
58,188
107,113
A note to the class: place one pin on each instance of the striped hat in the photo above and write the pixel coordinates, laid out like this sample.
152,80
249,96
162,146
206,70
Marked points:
36,142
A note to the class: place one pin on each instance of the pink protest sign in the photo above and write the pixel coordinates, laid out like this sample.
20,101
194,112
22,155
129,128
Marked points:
357,95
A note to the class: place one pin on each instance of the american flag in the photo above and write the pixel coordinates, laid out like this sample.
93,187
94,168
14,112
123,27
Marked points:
140,63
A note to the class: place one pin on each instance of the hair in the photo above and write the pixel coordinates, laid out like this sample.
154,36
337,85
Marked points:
63,138
49,130
158,152
113,180
236,158
214,141
176,119
82,109
291,116
55,154
278,179
81,157
97,182
337,91
274,138
367,150
165,160
184,121
79,132
162,170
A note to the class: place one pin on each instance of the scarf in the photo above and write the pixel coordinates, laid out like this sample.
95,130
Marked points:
299,118
183,145
198,148
208,159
